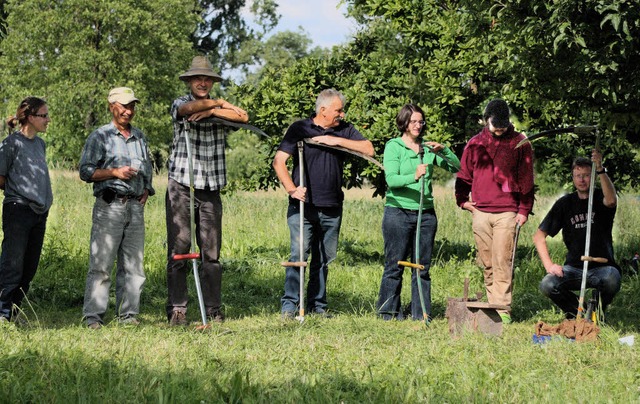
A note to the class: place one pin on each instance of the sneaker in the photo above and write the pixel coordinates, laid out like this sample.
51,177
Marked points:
178,319
288,315
506,318
20,320
215,316
129,320
94,326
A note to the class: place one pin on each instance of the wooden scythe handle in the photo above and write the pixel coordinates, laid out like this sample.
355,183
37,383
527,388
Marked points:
294,264
410,265
594,259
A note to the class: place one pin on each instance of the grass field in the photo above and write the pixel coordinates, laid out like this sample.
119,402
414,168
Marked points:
353,357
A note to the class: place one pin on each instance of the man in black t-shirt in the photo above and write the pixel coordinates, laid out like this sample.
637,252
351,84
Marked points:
569,214
322,195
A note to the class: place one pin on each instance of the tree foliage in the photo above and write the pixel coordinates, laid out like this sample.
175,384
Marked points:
71,52
557,63
278,51
223,32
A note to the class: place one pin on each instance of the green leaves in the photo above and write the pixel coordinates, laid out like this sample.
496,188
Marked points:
73,52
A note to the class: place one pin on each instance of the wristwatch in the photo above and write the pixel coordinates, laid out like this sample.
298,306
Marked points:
603,171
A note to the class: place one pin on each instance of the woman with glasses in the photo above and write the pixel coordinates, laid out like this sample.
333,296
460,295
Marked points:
408,159
24,177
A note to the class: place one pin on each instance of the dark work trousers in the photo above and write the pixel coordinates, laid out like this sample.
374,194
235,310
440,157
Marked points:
208,217
21,247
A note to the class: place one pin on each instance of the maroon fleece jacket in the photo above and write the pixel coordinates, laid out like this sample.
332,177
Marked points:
498,176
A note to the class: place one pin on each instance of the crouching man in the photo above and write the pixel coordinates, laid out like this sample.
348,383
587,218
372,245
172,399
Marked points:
569,214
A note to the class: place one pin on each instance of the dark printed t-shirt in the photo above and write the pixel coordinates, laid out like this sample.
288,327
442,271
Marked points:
569,214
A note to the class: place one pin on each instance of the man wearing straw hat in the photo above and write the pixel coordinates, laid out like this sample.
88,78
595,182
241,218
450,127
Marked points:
116,160
190,113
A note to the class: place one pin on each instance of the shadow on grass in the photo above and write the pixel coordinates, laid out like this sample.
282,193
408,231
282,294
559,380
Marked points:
79,377
253,284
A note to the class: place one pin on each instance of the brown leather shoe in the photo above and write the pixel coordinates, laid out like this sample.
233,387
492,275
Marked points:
216,316
178,319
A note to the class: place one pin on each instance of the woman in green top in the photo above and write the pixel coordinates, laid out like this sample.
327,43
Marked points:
403,170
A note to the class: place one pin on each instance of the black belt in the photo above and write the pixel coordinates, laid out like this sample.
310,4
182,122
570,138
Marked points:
110,195
430,211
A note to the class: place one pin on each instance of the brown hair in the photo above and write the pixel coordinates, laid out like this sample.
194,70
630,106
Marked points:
404,116
28,107
581,162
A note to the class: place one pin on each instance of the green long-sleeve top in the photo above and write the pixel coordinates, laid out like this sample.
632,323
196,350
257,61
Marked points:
400,164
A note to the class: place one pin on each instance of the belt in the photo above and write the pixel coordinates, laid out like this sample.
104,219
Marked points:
430,211
110,195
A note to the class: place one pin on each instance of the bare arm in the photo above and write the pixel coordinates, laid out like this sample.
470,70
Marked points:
200,109
2,181
280,167
361,146
236,115
194,106
610,198
539,240
609,191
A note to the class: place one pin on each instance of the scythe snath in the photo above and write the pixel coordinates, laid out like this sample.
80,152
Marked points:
585,258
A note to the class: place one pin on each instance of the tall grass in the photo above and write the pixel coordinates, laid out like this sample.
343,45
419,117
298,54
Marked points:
353,357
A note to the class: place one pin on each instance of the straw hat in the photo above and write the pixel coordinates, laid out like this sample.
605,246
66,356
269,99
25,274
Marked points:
200,66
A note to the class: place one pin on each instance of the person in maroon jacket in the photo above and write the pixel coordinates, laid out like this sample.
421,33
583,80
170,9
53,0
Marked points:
499,178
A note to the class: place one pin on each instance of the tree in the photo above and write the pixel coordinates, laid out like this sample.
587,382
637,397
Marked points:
71,52
3,18
372,84
557,63
222,32
278,51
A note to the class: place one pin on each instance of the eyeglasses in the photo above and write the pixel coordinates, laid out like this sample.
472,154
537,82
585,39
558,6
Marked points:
45,116
421,123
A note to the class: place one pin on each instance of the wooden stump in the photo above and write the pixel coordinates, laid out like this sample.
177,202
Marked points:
472,316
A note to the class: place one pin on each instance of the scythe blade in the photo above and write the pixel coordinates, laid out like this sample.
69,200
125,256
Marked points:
580,130
355,153
238,125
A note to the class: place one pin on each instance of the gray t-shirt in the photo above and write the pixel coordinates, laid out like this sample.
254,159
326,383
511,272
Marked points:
23,164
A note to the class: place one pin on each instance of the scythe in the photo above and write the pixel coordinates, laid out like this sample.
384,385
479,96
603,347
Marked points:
586,258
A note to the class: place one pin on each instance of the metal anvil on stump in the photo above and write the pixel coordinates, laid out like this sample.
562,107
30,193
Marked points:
470,315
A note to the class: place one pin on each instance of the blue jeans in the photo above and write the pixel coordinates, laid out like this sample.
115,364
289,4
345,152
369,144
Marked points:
21,247
321,231
117,232
605,279
399,233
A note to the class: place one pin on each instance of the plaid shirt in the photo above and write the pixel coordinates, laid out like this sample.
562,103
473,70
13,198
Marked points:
207,149
107,148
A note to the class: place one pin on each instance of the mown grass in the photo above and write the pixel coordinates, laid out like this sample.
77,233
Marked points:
353,357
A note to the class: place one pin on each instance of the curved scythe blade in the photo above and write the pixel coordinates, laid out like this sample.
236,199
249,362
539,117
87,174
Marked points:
355,153
238,125
580,130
